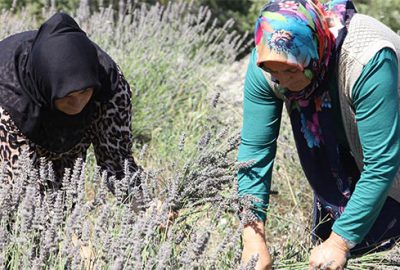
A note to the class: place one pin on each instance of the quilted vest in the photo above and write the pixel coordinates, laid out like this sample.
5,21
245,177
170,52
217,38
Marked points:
366,36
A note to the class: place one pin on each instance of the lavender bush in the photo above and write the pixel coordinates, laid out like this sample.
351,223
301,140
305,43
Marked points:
70,228
84,226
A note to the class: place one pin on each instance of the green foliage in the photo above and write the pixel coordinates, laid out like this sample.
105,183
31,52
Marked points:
35,7
387,11
235,9
243,12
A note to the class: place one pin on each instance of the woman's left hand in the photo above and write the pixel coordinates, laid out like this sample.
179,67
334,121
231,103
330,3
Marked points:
330,255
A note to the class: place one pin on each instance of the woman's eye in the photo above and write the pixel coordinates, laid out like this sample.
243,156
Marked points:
270,71
292,70
266,69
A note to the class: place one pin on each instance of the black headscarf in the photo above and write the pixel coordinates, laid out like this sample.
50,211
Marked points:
38,67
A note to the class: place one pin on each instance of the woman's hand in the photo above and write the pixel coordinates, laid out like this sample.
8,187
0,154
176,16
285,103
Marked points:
172,215
331,254
254,243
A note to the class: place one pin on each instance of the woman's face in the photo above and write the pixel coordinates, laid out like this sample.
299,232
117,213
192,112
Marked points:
290,77
74,102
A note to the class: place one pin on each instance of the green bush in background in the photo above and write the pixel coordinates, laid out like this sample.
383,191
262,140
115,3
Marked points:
244,12
387,11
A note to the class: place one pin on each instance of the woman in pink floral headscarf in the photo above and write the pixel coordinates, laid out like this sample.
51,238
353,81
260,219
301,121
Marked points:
337,72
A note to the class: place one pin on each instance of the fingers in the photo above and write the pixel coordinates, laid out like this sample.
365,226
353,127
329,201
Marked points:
172,215
331,265
264,261
326,267
328,256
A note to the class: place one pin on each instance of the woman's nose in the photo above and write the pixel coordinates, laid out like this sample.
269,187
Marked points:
78,102
75,100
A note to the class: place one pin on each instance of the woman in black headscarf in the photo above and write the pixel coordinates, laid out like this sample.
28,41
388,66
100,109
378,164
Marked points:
59,93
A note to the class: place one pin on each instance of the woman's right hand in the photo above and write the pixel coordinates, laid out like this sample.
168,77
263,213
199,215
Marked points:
254,243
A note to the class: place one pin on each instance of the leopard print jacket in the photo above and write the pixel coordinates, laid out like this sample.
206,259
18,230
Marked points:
110,134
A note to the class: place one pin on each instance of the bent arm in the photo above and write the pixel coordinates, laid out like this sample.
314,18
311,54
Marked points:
261,122
376,107
111,132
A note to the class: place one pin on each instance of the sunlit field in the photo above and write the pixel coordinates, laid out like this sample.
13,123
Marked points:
186,135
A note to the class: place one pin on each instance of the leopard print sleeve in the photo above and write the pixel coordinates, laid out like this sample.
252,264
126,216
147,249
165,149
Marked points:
111,132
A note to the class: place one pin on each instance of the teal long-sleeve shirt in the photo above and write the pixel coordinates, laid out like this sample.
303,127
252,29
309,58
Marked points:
376,106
